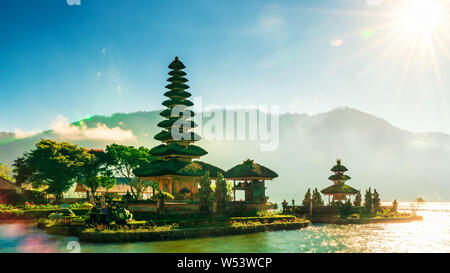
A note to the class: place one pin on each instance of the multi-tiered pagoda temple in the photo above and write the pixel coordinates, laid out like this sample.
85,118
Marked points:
175,170
339,190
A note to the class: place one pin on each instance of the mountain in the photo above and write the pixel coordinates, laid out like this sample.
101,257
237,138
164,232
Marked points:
6,137
398,163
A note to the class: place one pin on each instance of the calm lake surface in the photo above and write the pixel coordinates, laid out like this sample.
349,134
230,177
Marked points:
430,235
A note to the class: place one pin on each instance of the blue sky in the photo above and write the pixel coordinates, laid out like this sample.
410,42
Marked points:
108,56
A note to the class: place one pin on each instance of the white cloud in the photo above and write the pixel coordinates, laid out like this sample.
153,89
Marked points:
119,89
336,43
103,51
18,133
65,130
99,74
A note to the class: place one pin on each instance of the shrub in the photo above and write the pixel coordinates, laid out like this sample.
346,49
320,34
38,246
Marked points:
317,198
368,201
346,209
357,201
307,200
32,205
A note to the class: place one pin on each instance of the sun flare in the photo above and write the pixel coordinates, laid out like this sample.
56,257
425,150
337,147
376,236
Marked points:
421,17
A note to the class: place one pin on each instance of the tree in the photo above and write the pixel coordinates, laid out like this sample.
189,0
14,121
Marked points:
124,160
5,172
205,194
307,200
376,202
395,206
317,199
221,193
22,171
25,172
94,170
357,201
368,201
107,182
56,164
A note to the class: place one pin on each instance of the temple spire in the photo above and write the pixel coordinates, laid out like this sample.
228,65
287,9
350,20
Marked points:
177,119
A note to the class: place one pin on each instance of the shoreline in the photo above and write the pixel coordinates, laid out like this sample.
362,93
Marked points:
188,233
346,221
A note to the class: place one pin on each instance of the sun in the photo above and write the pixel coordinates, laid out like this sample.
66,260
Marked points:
421,17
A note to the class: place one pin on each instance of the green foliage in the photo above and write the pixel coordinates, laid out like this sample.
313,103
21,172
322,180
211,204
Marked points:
56,164
385,213
221,193
5,172
31,205
23,171
95,172
166,195
205,194
368,201
357,201
5,206
85,205
307,200
317,199
107,182
124,160
346,209
354,216
376,202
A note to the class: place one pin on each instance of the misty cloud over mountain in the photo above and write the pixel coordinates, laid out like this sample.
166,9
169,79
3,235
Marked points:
398,163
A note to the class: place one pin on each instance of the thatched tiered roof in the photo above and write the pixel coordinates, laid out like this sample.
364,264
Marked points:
177,167
339,167
339,189
339,179
175,154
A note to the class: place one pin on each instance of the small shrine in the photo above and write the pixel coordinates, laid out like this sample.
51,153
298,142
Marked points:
251,177
339,190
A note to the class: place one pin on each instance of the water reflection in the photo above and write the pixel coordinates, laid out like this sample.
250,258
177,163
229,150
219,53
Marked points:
430,235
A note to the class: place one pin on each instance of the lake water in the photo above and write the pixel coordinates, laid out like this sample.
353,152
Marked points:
430,235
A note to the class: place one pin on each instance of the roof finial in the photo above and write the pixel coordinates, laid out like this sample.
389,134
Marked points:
176,58
338,161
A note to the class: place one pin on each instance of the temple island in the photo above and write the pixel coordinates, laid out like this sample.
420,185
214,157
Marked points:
341,209
167,192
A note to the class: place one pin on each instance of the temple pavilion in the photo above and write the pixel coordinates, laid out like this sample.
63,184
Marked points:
251,177
177,169
339,190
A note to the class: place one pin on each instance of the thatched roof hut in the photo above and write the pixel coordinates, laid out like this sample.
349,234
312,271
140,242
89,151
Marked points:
7,185
249,170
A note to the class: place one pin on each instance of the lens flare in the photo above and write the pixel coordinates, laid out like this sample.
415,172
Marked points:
421,17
